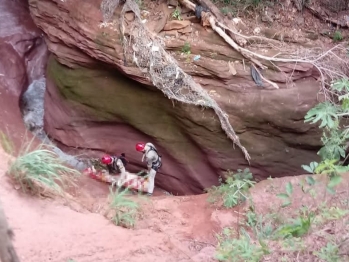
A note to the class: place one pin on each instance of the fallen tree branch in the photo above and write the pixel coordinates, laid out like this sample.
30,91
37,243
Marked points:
266,80
220,18
230,41
220,29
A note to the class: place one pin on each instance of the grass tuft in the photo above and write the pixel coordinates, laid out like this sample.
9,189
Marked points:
124,209
41,171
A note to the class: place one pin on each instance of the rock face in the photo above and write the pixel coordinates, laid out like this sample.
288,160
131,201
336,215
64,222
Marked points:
89,104
23,55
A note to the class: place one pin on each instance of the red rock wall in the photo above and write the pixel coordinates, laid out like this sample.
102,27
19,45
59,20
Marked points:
23,58
87,107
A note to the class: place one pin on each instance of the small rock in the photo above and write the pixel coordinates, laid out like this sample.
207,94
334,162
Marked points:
256,31
237,20
176,25
197,57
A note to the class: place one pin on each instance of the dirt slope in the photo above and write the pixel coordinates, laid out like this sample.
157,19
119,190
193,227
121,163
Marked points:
170,228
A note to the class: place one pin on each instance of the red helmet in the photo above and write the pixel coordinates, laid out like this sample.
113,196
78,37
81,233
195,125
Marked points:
140,147
107,159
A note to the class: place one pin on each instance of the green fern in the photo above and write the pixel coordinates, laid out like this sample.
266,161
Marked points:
324,112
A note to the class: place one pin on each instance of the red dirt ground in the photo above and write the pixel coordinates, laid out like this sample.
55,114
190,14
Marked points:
170,228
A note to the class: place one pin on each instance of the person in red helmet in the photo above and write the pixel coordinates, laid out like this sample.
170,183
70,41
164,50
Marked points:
111,162
153,159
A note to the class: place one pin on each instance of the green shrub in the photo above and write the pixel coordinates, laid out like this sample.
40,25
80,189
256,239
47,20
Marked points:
233,249
124,209
234,190
41,171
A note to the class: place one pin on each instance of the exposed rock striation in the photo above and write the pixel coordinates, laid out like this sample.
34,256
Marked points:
23,55
90,104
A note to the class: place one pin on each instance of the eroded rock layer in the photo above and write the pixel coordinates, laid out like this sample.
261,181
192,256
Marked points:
90,104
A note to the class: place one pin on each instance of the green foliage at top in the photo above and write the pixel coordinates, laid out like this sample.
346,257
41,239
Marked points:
41,170
234,190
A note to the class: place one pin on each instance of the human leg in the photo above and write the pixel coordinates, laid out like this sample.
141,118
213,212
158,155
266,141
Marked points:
151,178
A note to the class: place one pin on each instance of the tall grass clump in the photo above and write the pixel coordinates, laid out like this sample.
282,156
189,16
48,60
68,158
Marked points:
234,191
124,209
41,171
6,143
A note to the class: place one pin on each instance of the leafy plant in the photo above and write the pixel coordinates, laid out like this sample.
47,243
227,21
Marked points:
329,253
311,168
325,112
287,195
299,226
176,14
124,209
293,244
261,226
233,191
237,249
330,213
41,171
337,36
335,136
186,48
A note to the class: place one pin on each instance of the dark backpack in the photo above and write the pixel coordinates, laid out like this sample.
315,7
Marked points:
158,163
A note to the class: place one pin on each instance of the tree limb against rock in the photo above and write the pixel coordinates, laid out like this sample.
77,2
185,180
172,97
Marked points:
222,19
323,16
208,18
219,28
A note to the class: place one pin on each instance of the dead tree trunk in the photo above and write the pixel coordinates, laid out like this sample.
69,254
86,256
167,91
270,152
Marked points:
7,250
223,20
